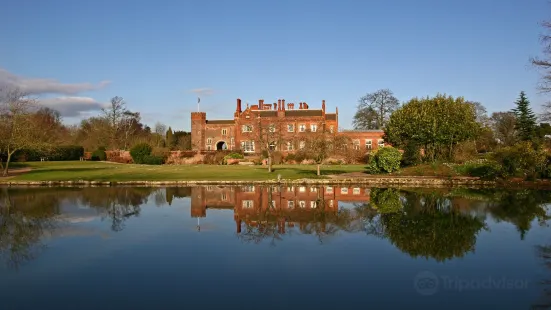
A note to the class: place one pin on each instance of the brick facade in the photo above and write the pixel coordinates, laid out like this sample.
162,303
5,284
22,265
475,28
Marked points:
291,124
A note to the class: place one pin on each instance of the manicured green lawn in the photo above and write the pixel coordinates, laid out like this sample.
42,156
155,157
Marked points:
103,171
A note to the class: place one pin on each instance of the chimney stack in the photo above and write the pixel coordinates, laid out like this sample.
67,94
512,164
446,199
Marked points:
274,105
323,105
261,104
238,108
300,106
283,104
279,104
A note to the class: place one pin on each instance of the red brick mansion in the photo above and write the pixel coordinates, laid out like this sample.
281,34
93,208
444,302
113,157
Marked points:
290,123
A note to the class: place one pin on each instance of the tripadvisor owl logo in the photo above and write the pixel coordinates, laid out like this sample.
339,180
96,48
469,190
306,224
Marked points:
426,283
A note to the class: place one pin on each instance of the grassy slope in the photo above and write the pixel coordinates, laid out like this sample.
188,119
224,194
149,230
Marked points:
102,171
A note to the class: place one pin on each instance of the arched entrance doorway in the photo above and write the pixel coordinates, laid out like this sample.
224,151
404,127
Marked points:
221,145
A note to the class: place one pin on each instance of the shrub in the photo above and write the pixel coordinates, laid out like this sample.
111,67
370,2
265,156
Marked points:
521,159
162,152
386,159
300,156
290,157
99,155
139,151
264,154
152,160
465,151
277,158
484,169
59,153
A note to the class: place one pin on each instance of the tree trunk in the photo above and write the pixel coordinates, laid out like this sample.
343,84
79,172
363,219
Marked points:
270,162
318,169
7,165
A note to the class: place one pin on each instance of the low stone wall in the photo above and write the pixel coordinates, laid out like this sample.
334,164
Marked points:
394,182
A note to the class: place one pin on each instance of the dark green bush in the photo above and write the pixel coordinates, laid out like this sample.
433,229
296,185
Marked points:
290,157
234,156
484,169
152,160
521,160
139,151
60,153
99,155
384,160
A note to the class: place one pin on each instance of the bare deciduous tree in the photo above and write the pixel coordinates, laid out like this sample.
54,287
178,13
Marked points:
544,62
374,109
114,114
21,126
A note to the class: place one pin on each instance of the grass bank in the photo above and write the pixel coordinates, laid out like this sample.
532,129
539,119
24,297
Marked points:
104,171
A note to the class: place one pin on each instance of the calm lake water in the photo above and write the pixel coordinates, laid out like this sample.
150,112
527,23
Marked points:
273,248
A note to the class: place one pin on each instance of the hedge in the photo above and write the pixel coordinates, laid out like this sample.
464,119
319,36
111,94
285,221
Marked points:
60,153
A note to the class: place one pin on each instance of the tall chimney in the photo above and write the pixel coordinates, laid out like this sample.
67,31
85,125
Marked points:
323,105
282,104
304,105
279,104
260,104
300,107
238,108
274,105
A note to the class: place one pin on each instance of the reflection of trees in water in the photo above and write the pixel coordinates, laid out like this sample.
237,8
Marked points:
23,221
116,203
521,208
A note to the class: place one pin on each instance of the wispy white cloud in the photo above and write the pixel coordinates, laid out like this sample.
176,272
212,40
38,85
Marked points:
205,91
72,106
38,86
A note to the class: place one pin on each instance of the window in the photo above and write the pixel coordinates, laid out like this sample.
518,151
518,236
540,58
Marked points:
289,146
302,145
224,131
331,129
368,145
313,190
302,128
329,189
302,189
272,146
208,148
313,204
247,146
247,204
356,191
273,204
272,128
291,128
224,197
232,141
302,204
248,188
290,204
331,203
209,141
291,189
380,143
209,188
313,127
247,128
356,144
344,190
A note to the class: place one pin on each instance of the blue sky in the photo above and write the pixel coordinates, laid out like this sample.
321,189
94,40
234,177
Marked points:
77,54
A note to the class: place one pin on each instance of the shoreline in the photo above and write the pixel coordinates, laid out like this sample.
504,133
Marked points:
383,181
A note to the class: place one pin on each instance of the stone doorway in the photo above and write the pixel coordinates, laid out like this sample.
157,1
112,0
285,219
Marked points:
221,146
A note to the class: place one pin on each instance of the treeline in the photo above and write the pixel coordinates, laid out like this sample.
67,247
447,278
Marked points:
29,131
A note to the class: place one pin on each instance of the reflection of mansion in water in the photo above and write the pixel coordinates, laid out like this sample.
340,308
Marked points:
289,204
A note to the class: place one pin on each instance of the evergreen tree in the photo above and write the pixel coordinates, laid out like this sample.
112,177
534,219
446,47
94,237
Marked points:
170,138
526,119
